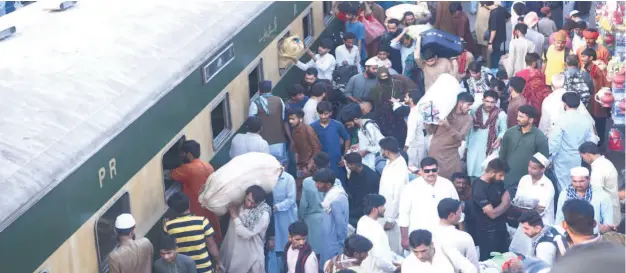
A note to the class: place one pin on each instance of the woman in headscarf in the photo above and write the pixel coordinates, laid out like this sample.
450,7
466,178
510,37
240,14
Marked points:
388,87
242,250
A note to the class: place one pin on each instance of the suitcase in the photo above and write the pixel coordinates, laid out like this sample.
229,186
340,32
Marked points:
444,44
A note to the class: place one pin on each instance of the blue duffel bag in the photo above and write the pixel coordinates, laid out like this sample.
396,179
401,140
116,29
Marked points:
444,44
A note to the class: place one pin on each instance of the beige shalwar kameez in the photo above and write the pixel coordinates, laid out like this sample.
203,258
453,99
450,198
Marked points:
445,144
242,250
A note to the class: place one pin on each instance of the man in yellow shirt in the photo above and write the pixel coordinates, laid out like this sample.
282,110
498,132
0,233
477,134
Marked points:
554,57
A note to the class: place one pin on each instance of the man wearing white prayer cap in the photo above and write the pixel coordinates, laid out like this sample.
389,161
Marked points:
534,188
597,197
131,256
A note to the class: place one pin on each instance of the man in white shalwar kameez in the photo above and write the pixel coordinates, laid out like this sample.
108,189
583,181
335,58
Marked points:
552,106
414,146
242,249
419,200
392,181
450,214
380,259
431,257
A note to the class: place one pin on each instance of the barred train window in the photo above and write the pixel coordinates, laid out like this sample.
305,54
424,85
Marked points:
328,11
307,25
255,76
221,125
282,71
106,239
172,159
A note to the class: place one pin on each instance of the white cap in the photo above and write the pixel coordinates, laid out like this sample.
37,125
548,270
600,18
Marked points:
371,62
542,159
573,13
579,171
124,221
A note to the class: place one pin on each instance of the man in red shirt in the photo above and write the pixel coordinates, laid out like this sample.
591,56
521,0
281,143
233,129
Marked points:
192,175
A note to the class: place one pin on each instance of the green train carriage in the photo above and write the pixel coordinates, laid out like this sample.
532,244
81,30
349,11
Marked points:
95,96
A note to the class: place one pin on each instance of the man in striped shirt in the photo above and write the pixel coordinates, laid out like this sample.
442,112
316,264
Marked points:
194,235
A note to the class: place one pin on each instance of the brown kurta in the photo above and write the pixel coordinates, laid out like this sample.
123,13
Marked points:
511,112
462,29
132,256
444,20
306,143
599,80
445,144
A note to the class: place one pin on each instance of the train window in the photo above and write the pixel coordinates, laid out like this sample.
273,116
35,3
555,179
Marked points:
106,239
221,125
255,76
307,25
282,71
172,159
328,11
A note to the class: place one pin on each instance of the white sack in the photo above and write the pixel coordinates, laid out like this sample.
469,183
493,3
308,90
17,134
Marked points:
439,100
420,11
229,183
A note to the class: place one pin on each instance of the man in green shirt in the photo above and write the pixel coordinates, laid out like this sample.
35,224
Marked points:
519,144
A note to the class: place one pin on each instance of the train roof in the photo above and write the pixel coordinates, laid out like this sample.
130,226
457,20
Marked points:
73,80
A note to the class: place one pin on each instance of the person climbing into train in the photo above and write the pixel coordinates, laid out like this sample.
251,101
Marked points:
192,175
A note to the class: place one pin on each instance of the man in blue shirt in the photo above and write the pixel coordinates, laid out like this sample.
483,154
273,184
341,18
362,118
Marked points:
331,134
356,27
297,99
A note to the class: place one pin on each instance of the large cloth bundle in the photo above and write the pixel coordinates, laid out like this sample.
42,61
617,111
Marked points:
439,100
444,44
416,30
420,11
229,183
289,48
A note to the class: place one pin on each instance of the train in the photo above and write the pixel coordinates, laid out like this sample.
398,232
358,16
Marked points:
97,95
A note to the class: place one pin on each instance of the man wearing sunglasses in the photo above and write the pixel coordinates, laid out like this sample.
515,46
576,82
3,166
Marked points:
419,200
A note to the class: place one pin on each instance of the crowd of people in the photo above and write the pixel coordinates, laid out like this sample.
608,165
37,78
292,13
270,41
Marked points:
517,166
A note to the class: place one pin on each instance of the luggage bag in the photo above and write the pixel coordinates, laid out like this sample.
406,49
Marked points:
444,44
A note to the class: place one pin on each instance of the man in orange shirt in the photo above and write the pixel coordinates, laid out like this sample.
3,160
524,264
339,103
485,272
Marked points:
192,175
591,35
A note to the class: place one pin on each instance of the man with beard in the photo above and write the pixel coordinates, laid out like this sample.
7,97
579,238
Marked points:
336,214
393,30
368,136
305,142
414,145
387,88
429,256
519,144
479,80
591,35
535,90
449,135
380,259
543,236
405,44
392,181
299,255
598,76
490,202
363,180
554,57
192,175
486,134
360,85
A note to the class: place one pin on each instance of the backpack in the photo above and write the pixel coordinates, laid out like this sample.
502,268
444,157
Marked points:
342,75
576,83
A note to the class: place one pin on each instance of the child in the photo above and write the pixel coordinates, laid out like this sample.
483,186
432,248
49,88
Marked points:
382,57
298,233
297,99
171,261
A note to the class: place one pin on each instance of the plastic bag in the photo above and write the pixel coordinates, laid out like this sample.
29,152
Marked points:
229,183
436,105
373,30
289,48
492,156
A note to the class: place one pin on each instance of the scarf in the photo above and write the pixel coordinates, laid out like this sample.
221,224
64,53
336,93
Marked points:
572,194
303,255
331,196
490,124
255,214
263,103
462,63
478,86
